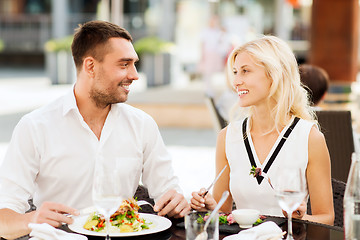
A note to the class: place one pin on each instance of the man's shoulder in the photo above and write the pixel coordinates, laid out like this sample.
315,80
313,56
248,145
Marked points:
47,110
131,112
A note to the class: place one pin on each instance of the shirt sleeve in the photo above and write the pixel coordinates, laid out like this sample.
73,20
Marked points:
19,168
158,174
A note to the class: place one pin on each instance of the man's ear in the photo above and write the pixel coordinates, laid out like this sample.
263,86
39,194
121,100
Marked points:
89,66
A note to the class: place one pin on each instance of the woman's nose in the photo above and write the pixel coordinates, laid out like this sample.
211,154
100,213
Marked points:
238,81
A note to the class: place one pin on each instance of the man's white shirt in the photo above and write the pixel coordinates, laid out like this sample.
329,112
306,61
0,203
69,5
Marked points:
52,156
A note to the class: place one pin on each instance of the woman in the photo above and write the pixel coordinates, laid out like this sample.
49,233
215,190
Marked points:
265,74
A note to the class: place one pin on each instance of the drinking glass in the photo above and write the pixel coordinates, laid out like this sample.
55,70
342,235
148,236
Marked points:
194,226
290,191
106,193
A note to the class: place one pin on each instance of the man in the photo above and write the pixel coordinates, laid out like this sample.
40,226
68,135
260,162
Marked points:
53,151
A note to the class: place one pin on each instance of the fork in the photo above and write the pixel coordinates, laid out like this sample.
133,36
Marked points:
264,175
83,211
93,209
143,202
215,180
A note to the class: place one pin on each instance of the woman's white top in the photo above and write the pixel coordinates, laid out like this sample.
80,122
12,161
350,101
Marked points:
245,190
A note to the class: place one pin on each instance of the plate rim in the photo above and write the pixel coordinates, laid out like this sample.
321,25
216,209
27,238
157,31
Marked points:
164,221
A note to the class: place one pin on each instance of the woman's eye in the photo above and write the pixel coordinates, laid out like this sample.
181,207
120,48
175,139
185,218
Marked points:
244,70
234,71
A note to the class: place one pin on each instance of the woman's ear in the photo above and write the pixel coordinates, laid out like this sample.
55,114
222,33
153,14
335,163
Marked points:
89,66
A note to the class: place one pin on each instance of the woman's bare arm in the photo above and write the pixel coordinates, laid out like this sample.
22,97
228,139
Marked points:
318,177
223,183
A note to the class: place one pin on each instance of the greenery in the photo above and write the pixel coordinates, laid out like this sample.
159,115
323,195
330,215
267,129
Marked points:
57,45
152,45
2,45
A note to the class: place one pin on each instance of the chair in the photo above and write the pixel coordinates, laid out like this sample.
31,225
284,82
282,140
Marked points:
32,206
218,120
337,129
338,188
338,197
143,194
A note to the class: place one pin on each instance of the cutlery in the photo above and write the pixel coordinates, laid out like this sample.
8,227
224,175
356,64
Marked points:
258,172
143,202
215,180
264,175
84,211
203,235
88,210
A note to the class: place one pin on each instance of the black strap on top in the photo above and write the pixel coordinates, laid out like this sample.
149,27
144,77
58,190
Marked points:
275,153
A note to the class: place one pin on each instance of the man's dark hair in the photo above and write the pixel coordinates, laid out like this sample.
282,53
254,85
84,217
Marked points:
90,39
316,81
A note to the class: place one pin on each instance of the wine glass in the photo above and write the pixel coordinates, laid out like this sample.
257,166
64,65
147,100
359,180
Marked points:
106,192
290,191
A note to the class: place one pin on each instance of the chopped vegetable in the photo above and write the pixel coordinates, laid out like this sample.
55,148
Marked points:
125,219
223,218
200,219
258,221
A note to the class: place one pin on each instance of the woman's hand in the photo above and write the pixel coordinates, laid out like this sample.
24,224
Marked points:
200,203
299,212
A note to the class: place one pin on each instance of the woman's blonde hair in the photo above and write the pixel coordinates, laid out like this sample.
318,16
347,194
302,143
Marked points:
281,67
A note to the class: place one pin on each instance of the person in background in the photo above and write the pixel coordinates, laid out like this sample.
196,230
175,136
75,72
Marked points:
227,101
316,82
272,101
53,150
215,46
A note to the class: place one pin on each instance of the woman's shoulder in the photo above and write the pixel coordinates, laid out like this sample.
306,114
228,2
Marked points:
233,132
235,126
316,135
238,123
306,124
312,130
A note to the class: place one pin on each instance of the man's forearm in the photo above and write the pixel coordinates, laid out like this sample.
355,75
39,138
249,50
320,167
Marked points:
13,224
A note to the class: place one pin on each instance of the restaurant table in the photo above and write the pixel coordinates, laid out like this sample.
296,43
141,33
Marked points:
302,230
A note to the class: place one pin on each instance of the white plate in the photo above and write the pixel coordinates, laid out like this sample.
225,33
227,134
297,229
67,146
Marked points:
158,224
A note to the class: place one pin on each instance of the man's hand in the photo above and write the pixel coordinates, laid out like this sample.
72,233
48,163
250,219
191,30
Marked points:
53,214
172,204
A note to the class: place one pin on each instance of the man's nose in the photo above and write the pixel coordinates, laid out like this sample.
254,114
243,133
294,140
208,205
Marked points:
133,74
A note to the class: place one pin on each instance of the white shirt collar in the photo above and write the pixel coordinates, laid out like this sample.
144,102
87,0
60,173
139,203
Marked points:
70,103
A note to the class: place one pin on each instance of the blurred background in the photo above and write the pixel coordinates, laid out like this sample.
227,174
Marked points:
173,39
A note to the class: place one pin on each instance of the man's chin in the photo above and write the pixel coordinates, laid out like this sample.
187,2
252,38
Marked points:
122,99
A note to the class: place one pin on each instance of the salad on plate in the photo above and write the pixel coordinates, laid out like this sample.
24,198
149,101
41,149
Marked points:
125,219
